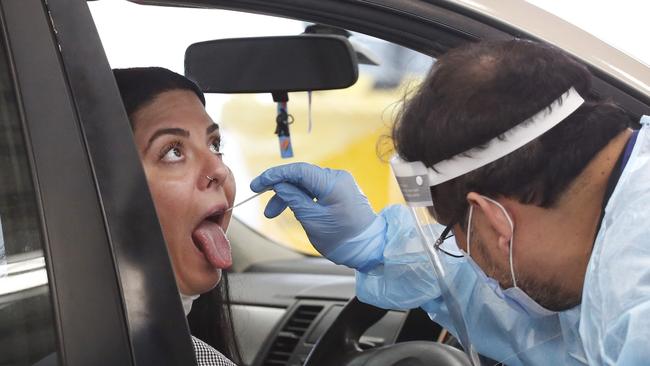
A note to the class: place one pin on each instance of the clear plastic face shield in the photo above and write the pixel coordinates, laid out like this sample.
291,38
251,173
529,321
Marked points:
415,181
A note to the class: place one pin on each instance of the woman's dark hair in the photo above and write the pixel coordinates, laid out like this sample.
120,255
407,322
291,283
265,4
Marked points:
211,317
140,85
211,320
481,90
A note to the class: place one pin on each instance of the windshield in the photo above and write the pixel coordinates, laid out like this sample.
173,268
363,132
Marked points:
346,124
338,129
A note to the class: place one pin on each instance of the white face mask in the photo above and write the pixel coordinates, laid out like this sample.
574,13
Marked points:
514,296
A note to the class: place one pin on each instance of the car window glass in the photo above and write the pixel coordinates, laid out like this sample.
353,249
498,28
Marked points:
27,332
345,124
342,132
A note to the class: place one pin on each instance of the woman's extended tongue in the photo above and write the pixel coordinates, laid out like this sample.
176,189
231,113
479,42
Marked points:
212,241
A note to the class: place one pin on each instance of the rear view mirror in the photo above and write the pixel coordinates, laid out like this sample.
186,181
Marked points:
272,64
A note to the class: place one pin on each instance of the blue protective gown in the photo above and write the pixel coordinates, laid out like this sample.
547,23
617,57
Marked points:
610,327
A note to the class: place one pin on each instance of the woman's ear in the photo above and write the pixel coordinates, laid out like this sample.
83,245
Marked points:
496,219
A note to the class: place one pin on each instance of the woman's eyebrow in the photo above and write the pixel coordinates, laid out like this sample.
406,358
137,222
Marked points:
167,131
211,128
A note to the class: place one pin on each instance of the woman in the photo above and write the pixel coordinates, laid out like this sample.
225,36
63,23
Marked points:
191,187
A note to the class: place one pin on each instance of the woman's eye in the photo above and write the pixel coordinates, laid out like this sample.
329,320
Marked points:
172,154
215,146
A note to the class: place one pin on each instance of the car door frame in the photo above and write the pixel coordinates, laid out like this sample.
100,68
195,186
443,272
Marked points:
115,300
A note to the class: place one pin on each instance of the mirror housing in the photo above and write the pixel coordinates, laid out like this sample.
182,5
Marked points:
272,64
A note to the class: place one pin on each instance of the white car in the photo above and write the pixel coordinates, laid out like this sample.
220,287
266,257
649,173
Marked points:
86,278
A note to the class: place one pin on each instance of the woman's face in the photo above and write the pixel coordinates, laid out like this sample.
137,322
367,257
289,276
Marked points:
191,187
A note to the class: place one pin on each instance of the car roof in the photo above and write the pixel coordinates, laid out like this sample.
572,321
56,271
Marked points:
518,17
549,28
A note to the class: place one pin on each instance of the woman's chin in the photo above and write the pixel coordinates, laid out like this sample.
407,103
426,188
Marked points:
197,284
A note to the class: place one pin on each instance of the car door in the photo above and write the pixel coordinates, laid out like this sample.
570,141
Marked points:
87,279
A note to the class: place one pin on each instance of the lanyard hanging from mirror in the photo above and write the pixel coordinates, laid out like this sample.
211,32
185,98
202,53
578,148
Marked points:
282,122
283,119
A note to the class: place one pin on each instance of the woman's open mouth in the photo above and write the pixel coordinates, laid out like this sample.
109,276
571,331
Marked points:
211,240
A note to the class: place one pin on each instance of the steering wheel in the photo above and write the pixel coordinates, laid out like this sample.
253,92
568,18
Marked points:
339,345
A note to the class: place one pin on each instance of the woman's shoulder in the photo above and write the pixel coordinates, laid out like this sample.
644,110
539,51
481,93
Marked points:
206,355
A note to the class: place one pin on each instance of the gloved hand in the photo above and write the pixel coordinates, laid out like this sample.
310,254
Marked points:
336,216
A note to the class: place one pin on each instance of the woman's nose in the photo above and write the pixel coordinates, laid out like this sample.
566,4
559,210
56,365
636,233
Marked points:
215,172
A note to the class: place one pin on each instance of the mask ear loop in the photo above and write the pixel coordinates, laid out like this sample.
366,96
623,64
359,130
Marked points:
469,229
512,230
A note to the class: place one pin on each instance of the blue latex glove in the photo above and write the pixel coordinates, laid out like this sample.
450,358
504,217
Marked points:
335,214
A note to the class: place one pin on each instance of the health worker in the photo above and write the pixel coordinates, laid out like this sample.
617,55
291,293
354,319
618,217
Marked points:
541,193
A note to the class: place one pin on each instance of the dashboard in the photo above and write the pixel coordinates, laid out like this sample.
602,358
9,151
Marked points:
281,308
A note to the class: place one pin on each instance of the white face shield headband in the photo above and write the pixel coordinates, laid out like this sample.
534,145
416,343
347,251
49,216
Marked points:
496,148
416,179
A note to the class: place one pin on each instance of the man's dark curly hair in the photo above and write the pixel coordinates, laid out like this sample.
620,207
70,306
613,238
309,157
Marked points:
479,91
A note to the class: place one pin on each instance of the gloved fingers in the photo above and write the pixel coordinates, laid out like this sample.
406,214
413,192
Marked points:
275,207
309,177
258,184
298,200
274,175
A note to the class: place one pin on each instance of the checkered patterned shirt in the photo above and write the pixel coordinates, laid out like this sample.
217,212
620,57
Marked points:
208,356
